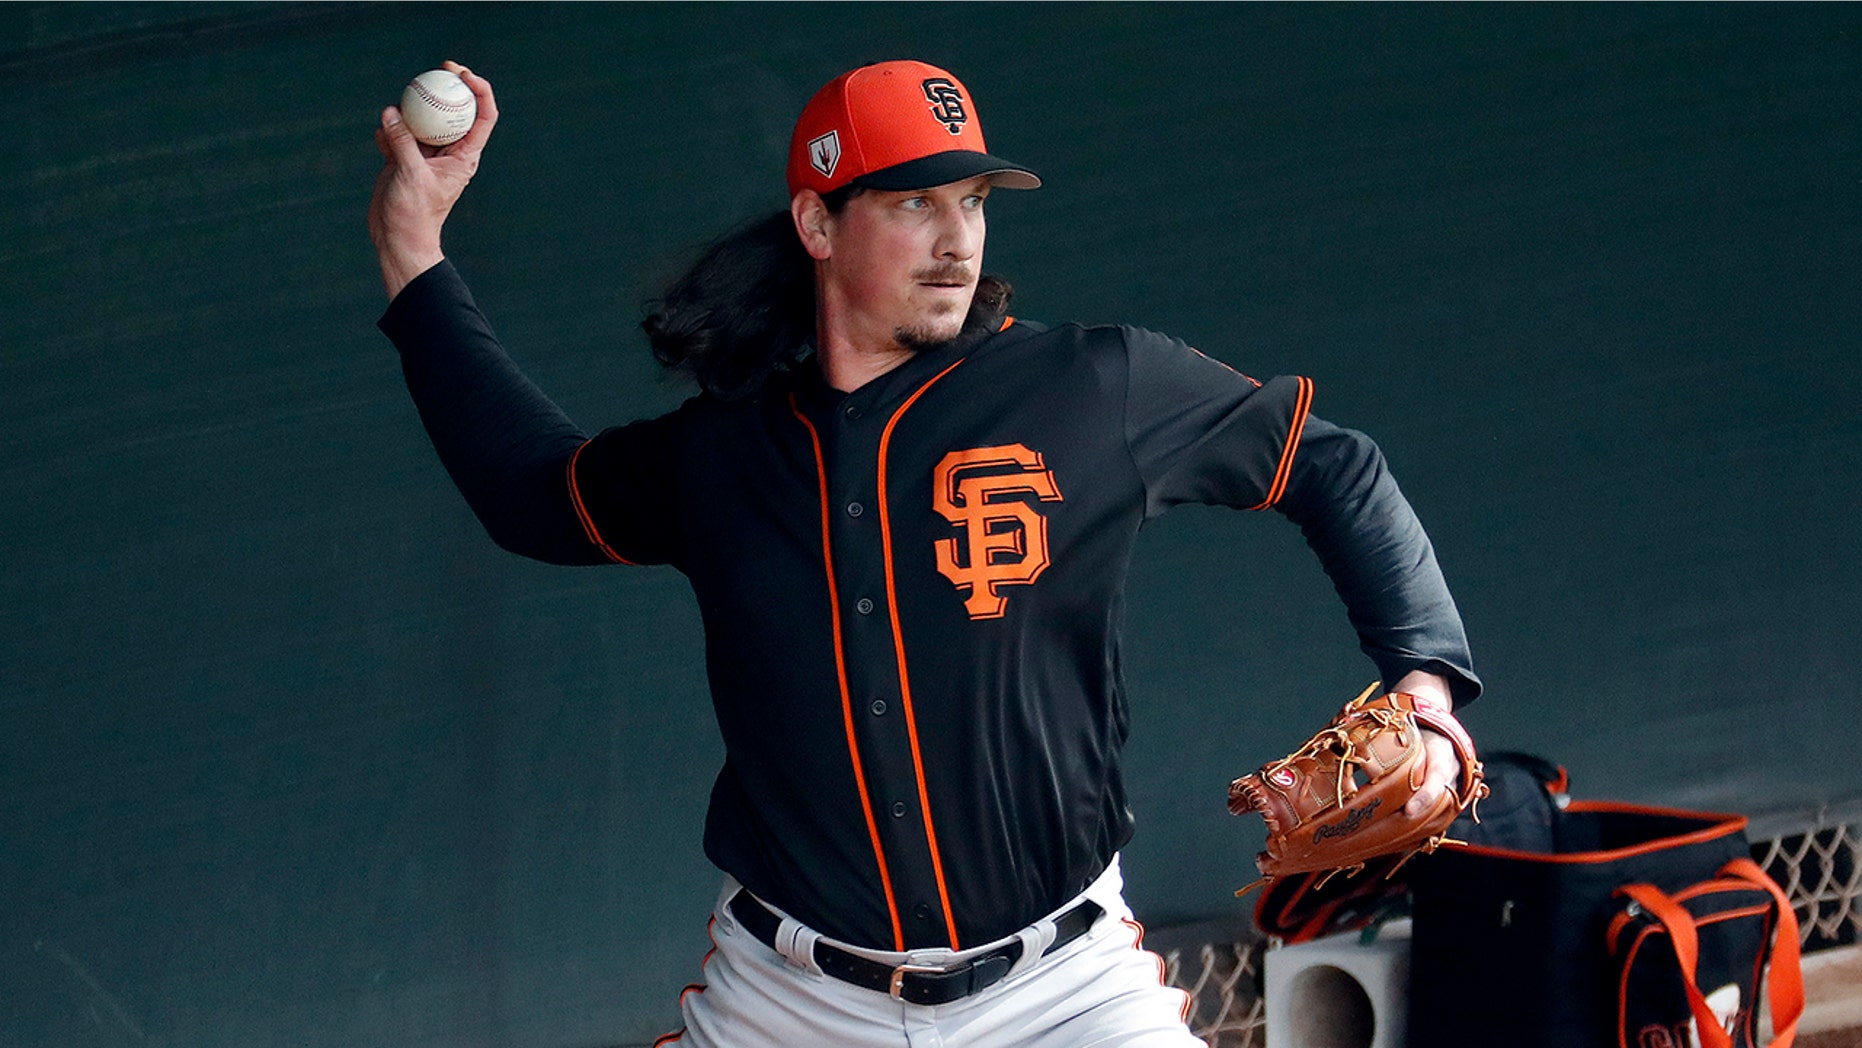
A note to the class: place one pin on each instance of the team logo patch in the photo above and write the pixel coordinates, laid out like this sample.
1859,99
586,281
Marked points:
824,153
946,104
992,493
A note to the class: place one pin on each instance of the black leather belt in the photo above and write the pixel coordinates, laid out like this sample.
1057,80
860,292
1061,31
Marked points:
915,983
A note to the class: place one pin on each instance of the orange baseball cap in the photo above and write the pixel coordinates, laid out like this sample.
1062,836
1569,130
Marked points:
894,125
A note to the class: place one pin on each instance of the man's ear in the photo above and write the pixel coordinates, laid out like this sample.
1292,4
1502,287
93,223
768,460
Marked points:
812,219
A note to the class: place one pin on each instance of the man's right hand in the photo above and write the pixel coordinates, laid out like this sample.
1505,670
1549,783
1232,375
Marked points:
419,185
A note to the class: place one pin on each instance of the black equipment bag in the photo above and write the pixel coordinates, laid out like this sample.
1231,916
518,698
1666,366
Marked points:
1508,946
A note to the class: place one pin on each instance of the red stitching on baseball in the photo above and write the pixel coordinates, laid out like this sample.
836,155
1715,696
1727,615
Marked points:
436,102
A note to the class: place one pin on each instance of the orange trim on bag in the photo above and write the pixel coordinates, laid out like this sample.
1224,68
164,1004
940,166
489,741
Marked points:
1724,825
898,643
846,696
1302,405
581,512
1695,891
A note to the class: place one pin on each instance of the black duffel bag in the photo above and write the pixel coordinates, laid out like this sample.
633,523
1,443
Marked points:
1510,944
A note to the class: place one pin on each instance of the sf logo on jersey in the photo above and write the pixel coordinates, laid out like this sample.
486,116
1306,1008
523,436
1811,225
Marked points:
992,494
946,104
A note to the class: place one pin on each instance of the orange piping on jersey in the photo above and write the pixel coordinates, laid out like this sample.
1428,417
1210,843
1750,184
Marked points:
898,644
581,513
1301,405
1006,322
840,671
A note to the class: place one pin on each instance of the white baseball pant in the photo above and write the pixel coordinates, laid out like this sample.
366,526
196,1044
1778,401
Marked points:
1103,990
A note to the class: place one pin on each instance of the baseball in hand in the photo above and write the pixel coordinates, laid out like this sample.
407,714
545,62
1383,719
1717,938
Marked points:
438,108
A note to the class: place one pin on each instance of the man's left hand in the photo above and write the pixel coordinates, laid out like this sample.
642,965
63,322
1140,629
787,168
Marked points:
1441,767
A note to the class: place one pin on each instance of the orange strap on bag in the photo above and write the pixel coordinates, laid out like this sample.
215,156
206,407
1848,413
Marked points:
1787,969
1786,980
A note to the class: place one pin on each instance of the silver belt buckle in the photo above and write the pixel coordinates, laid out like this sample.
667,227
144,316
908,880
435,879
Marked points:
899,974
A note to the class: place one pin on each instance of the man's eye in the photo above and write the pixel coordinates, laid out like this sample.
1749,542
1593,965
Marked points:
913,203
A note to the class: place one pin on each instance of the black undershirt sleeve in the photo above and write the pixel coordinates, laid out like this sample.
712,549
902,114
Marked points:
1201,432
504,443
1380,560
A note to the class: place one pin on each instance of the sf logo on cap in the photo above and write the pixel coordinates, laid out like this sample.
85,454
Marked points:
946,104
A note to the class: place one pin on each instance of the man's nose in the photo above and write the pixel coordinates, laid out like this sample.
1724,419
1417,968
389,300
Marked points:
959,237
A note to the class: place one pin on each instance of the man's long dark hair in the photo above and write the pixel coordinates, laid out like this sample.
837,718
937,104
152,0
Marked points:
746,309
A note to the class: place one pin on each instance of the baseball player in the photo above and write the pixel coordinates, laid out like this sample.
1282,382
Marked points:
906,516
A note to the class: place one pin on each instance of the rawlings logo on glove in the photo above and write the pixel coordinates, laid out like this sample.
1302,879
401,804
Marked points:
1352,820
1342,799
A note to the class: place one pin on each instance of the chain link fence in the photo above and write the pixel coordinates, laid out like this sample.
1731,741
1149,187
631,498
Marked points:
1820,871
1224,984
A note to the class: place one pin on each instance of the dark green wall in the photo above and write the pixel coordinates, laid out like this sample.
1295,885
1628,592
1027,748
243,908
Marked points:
291,755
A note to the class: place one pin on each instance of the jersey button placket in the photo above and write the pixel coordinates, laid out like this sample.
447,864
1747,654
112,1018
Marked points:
883,739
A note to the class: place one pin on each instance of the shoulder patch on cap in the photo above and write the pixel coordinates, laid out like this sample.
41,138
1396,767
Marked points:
946,104
824,153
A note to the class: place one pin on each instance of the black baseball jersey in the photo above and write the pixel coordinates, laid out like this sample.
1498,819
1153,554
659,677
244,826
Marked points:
912,593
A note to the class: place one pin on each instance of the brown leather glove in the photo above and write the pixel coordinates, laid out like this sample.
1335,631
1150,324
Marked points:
1339,800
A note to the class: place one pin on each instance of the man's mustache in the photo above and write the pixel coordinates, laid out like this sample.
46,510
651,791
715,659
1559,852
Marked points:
948,273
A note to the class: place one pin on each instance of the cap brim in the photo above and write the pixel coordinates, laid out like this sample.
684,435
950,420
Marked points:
954,166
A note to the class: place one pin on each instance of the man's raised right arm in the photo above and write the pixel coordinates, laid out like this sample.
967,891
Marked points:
504,443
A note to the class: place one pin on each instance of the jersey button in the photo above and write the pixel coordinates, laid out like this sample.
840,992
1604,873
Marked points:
879,707
854,509
852,412
923,911
898,809
864,606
